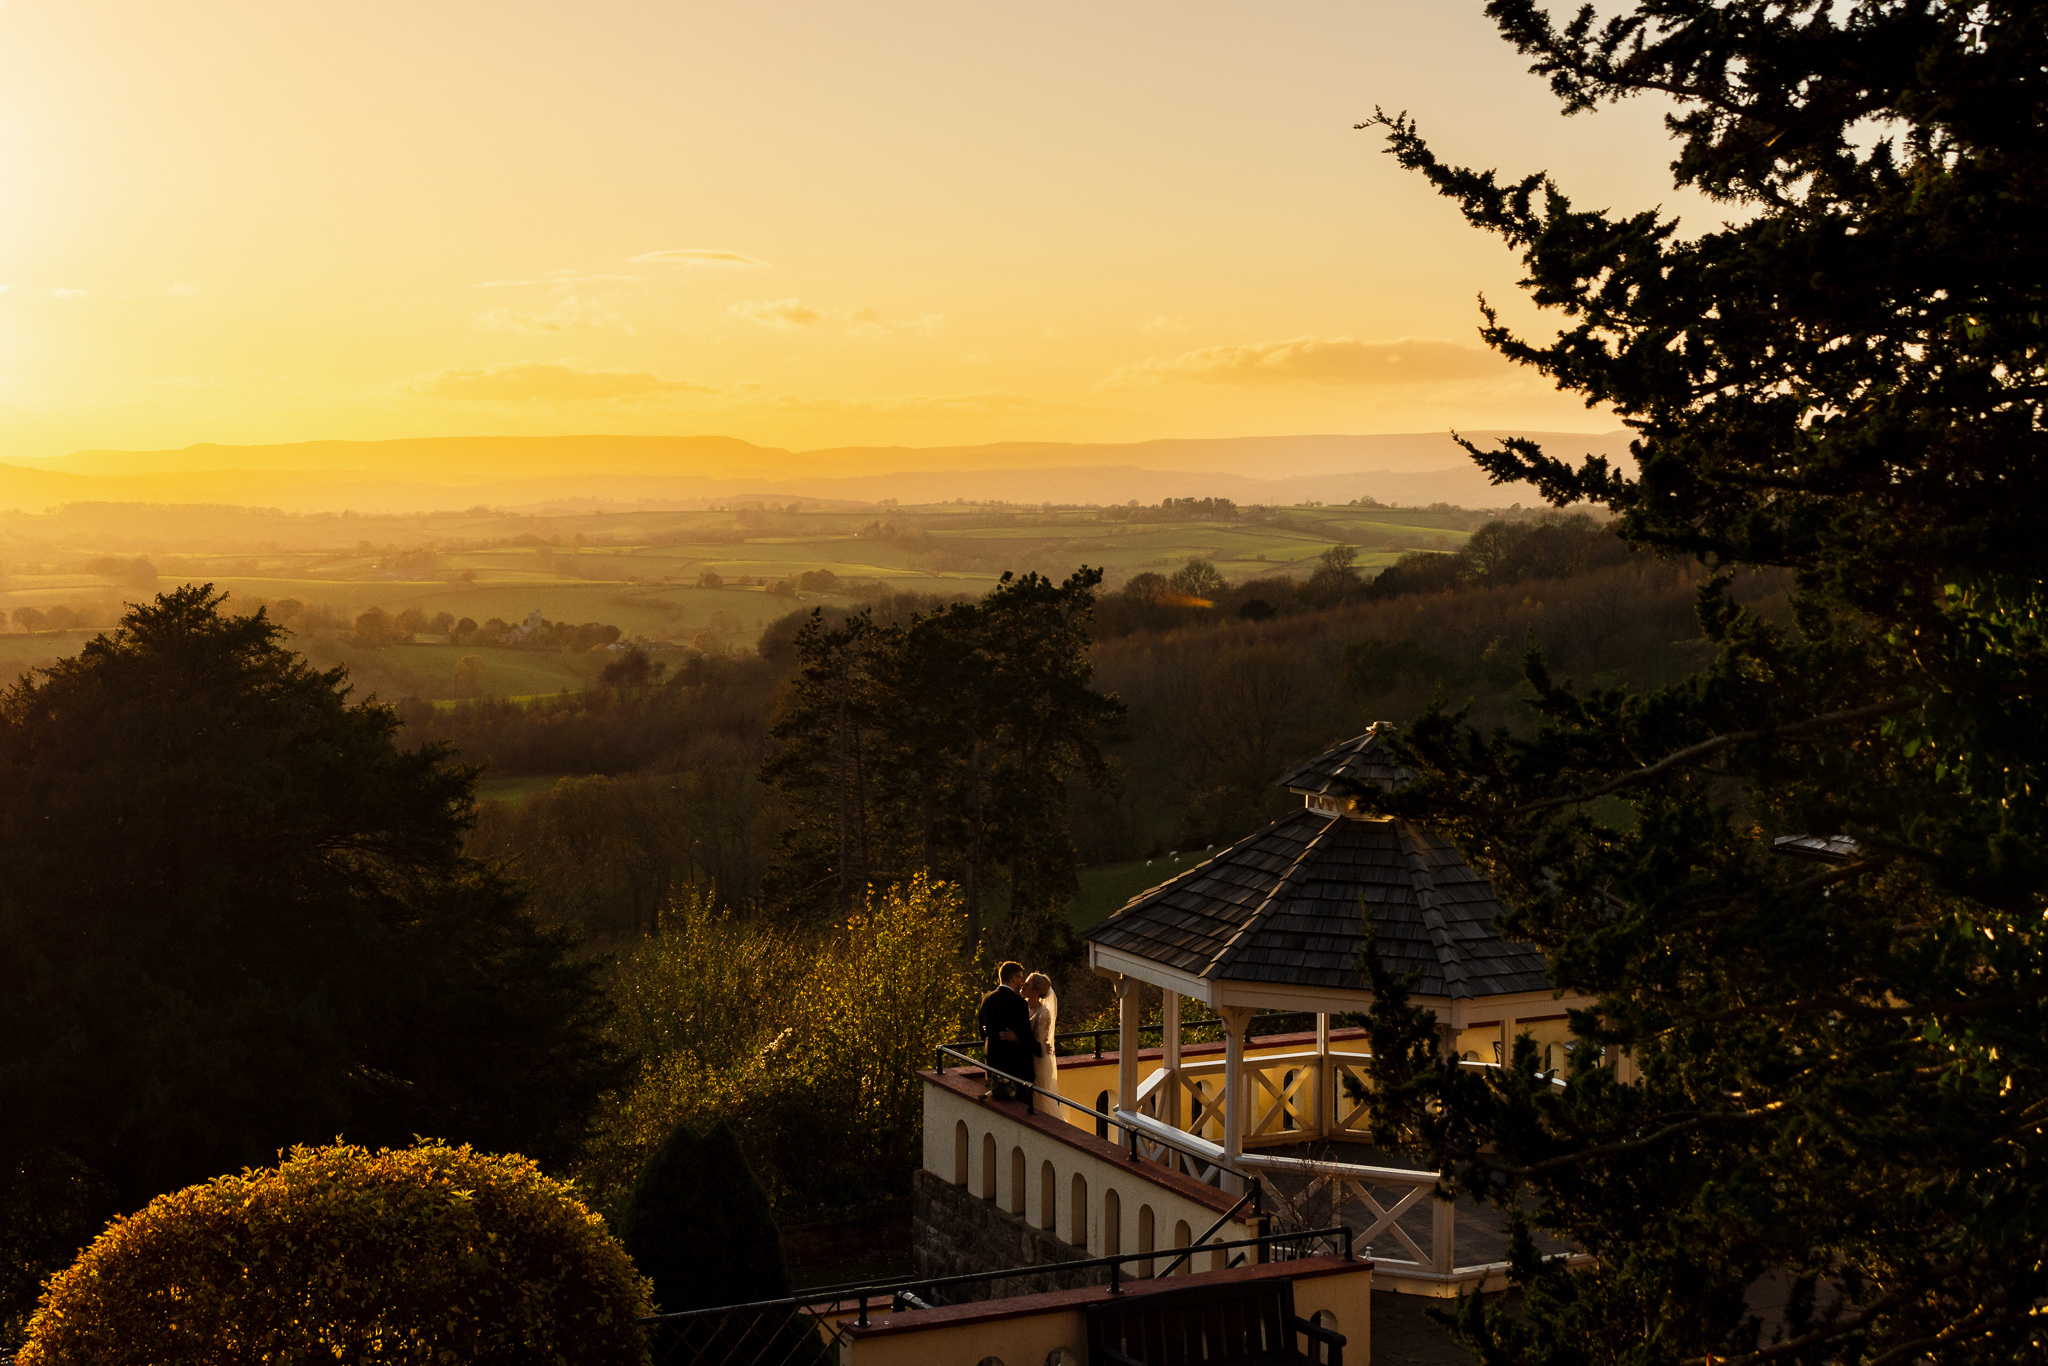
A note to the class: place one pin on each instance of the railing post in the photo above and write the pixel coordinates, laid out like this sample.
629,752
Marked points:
942,1061
1169,1054
1347,1243
1128,1008
1116,1286
863,1311
1443,1231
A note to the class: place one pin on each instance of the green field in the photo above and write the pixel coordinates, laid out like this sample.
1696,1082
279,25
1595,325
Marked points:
636,570
1106,887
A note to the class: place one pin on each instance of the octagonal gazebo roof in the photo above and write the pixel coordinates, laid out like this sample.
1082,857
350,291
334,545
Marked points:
1275,919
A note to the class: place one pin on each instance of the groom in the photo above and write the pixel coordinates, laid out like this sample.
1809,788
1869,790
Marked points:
1005,1020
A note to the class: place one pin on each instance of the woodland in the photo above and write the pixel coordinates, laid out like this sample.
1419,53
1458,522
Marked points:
721,872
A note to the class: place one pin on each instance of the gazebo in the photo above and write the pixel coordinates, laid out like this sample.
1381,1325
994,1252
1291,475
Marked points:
1273,923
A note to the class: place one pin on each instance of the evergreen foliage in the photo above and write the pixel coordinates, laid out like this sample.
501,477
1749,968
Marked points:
235,916
943,747
429,1253
699,1226
1841,1062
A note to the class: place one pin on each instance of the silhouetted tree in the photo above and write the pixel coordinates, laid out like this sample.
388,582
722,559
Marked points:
236,916
1842,1056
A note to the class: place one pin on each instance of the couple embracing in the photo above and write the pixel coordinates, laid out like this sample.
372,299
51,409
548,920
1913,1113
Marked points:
1017,1021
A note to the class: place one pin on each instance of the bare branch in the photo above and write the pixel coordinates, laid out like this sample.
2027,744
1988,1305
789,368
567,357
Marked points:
1719,743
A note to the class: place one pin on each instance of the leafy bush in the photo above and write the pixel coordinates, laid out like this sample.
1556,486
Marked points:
428,1253
807,1043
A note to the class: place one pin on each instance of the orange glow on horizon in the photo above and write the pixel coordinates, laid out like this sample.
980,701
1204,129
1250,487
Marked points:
801,225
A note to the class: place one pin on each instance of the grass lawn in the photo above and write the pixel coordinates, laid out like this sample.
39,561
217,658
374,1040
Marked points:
1106,887
489,789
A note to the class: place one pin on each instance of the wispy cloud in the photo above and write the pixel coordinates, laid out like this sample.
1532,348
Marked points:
1317,360
179,290
1160,325
699,258
67,294
531,380
907,404
778,313
562,279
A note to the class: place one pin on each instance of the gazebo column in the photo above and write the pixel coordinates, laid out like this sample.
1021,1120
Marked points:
1169,1055
1326,1080
1130,1015
1236,1019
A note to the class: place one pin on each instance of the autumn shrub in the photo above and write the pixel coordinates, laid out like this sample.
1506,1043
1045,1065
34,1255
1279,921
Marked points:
423,1254
807,1043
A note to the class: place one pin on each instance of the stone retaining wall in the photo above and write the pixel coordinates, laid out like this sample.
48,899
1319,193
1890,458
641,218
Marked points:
954,1233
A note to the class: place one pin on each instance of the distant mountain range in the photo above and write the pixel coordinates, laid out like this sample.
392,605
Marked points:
587,472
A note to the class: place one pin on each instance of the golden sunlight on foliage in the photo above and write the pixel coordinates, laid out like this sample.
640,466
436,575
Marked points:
808,1043
428,1253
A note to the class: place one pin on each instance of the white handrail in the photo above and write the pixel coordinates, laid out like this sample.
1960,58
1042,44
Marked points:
1357,1171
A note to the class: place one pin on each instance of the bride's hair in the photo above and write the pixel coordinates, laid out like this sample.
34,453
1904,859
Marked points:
1039,983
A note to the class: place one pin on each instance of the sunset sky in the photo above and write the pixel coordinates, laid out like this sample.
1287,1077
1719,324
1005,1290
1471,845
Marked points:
803,224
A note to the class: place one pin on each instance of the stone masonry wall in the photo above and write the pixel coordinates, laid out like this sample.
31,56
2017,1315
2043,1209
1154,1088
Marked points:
955,1233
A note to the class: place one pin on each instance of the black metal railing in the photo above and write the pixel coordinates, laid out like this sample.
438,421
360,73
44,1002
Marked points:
803,1330
1094,1037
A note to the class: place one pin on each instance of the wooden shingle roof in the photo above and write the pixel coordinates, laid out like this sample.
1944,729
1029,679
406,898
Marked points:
1284,907
1362,759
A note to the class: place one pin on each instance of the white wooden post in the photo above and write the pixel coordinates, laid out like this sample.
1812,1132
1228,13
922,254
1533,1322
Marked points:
1443,1252
1235,1020
1169,1055
1326,1081
1129,1015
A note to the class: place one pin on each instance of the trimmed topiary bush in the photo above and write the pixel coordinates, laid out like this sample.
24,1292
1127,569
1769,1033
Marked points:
422,1254
695,1183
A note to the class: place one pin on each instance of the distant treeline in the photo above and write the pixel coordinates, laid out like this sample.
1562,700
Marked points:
1225,684
1499,552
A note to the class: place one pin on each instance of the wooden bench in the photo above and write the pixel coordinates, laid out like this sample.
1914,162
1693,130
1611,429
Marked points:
1251,1323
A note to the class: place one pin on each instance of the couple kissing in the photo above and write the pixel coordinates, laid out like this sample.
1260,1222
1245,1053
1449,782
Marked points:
1017,1021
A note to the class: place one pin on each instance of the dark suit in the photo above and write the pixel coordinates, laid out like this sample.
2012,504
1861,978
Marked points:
1005,1008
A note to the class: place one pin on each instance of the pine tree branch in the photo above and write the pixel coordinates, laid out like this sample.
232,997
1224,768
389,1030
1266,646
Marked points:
1669,1131
1849,1323
1716,745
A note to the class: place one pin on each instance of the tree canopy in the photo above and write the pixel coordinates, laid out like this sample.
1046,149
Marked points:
944,747
1817,929
235,914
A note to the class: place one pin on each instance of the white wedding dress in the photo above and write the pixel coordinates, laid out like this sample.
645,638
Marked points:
1045,1067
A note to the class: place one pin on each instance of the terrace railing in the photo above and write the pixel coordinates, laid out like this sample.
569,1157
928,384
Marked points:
1384,1195
806,1329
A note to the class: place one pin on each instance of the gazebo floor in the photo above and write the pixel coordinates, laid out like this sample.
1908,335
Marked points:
1481,1230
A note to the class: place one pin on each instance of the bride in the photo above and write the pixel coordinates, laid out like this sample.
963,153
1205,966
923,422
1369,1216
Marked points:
1045,1013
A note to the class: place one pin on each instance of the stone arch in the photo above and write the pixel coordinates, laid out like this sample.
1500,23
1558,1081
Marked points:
1147,1236
988,1167
960,1153
1017,1182
1048,1198
1112,1222
1077,1210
